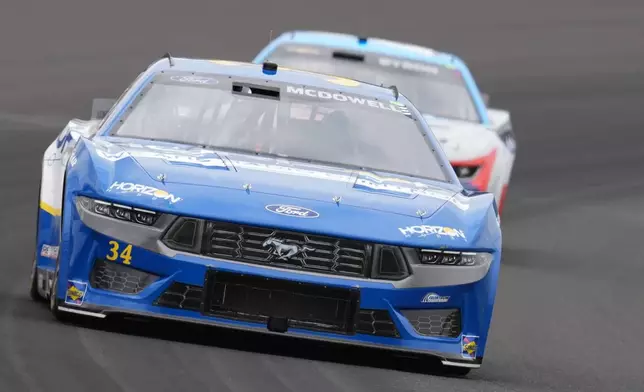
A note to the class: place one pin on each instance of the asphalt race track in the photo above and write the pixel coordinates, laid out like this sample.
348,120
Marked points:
570,307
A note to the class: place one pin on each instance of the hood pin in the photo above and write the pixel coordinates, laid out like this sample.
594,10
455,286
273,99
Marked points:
247,187
161,177
421,213
337,199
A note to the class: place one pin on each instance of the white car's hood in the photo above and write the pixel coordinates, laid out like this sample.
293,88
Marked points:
462,140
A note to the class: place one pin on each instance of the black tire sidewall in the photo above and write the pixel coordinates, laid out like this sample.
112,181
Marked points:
33,288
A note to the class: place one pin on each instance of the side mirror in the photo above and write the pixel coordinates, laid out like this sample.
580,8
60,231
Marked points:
100,107
486,98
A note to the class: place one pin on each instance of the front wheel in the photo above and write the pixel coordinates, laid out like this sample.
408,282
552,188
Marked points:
54,302
33,287
455,371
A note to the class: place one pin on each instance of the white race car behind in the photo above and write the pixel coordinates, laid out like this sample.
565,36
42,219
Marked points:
479,141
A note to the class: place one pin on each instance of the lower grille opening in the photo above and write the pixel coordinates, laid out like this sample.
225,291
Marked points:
435,322
189,297
377,323
181,296
120,278
258,299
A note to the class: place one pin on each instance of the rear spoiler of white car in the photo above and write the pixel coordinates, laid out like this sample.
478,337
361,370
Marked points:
100,107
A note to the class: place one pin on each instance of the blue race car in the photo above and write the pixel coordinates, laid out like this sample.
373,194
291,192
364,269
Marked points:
478,140
279,201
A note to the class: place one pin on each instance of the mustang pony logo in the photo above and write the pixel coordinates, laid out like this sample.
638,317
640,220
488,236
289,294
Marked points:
284,251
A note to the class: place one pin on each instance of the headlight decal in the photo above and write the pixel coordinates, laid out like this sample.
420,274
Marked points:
117,211
453,258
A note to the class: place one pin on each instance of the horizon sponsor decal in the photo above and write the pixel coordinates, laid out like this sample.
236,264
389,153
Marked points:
392,106
427,230
139,189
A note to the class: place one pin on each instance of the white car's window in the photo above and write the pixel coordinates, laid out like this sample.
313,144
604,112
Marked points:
434,89
302,123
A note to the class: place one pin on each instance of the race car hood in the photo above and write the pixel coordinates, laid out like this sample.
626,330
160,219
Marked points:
462,140
172,166
261,191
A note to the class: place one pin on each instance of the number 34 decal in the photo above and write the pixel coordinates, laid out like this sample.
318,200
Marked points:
125,256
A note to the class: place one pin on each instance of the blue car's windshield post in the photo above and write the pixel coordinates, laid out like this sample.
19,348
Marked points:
434,89
303,123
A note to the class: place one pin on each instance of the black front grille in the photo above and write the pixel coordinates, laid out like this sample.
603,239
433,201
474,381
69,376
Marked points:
297,304
435,322
286,249
120,278
189,297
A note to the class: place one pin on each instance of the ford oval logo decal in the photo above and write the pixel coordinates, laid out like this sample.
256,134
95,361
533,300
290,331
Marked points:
298,212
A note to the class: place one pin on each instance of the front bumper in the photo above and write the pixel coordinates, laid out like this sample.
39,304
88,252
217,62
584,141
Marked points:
102,312
103,274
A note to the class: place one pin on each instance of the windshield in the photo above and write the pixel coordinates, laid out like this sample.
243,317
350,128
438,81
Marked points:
295,122
434,89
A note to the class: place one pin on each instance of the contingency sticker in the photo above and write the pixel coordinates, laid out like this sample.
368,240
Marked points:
76,291
469,345
49,251
314,93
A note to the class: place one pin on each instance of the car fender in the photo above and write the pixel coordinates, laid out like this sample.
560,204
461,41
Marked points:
53,168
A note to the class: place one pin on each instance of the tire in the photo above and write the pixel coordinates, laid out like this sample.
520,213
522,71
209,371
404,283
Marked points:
54,302
455,371
33,287
53,298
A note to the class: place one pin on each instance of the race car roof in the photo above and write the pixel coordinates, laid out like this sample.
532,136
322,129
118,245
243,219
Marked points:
284,75
369,44
374,45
